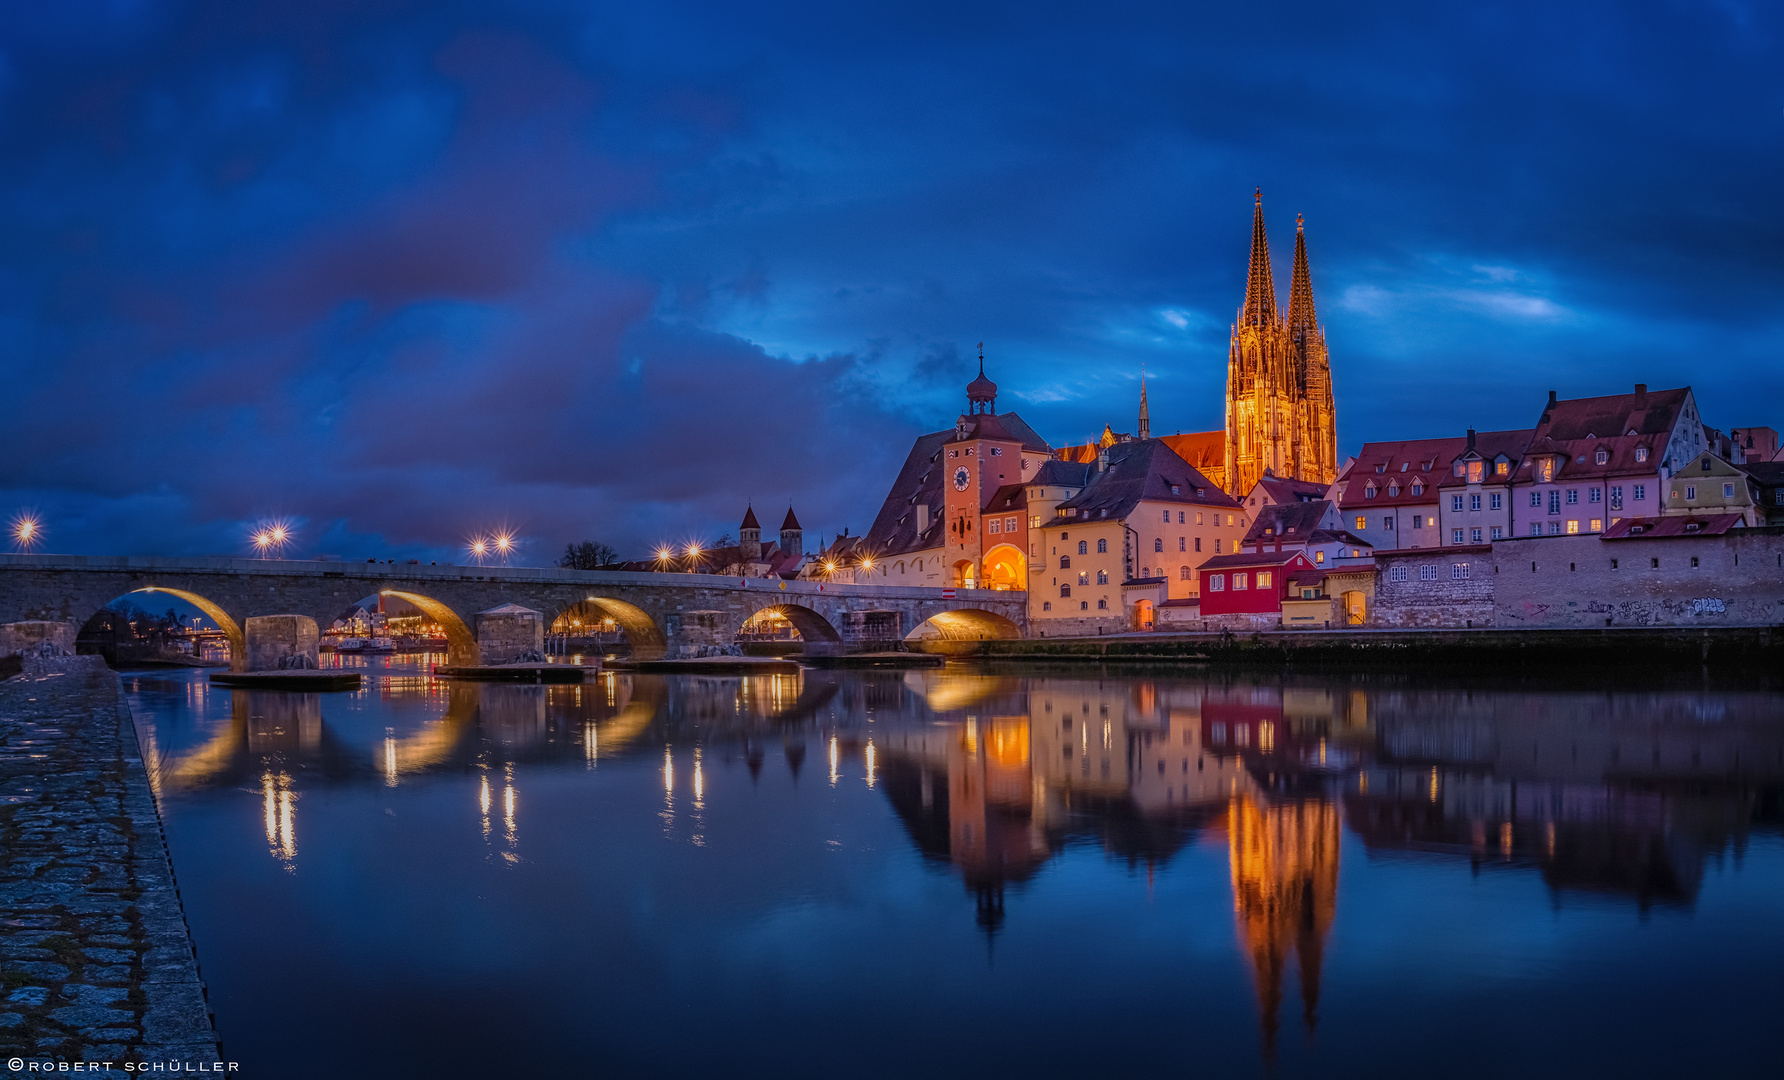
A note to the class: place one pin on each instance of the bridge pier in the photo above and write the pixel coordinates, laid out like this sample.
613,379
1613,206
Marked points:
509,634
279,641
20,638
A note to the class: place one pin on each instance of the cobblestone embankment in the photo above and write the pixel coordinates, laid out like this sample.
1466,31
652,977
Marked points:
95,959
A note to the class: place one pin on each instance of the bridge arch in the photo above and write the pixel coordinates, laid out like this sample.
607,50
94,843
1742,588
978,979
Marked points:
646,637
461,642
813,628
238,641
964,624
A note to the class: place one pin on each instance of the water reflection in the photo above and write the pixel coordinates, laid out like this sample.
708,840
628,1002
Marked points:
993,778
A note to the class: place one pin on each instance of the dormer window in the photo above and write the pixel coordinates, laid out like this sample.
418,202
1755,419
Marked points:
1456,469
1201,493
1637,530
1175,490
1383,467
1602,456
1476,469
1369,492
1692,526
1393,490
1641,453
1418,488
1502,467
1404,465
1545,469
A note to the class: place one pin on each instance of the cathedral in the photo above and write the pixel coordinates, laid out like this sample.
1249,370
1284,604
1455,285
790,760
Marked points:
1279,414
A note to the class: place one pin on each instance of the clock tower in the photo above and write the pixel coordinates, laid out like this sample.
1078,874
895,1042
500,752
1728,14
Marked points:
983,467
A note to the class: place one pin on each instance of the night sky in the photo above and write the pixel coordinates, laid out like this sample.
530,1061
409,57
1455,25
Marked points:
402,272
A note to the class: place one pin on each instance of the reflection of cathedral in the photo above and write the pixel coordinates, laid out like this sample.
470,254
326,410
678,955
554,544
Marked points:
1284,860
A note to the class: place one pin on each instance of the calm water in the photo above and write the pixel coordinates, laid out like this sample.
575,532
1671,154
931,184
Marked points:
970,873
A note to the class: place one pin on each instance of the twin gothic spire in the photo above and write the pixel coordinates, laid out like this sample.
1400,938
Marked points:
1259,308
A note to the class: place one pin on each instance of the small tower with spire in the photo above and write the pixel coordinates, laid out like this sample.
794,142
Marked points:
981,393
792,540
1145,431
749,536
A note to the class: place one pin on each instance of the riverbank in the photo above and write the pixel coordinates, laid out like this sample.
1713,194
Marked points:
95,959
1610,647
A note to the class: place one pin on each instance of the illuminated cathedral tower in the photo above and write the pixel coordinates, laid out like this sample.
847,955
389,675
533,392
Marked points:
1279,413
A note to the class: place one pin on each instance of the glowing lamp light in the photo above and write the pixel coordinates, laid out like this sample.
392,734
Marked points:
26,531
867,562
504,542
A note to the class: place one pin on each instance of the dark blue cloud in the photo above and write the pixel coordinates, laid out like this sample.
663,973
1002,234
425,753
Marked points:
402,271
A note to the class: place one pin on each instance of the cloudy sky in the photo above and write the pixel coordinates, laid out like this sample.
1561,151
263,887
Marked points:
405,271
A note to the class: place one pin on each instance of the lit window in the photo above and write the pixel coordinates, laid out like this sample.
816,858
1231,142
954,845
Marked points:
1264,577
1501,468
1216,582
1573,526
1458,571
1198,517
1641,453
1475,471
1102,577
1602,456
1241,580
1597,524
1319,556
1083,577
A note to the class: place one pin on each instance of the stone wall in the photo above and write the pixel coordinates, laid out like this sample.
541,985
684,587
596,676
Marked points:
509,634
1581,581
1110,622
19,638
1444,600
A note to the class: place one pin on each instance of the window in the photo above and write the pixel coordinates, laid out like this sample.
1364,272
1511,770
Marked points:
1554,528
1083,577
1456,503
1102,577
1180,516
1369,492
1690,491
1602,456
1065,591
1216,582
1065,562
1573,526
1545,469
1595,495
1102,605
1183,573
1418,488
1617,497
1456,468
1083,547
1502,468
1065,536
1241,580
1387,524
1554,502
1360,525
1174,491
1573,496
1641,453
1198,513
1474,502
1458,571
1706,464
1639,492
1198,543
1536,498
1145,571
1167,517
1597,525
1102,546
1046,605
1182,544
997,451
1319,556
1264,578
1398,573
1498,502
1498,533
1427,573
1536,528
1009,524
1418,521
1083,605
1394,489
1455,536
1694,562
996,525
1306,594
1034,521
1475,470
1728,491
1217,545
1474,536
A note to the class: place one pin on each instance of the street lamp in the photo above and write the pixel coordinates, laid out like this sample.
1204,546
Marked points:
26,531
479,548
270,538
693,556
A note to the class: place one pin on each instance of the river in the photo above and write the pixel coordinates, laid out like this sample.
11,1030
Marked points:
973,872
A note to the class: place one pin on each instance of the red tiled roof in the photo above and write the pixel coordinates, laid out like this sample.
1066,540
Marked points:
1383,464
1647,528
1243,559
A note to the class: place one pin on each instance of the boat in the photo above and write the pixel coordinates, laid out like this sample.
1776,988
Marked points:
352,644
379,645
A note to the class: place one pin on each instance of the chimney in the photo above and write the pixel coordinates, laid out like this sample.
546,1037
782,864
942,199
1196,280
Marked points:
1641,395
1551,399
922,518
1102,460
1470,438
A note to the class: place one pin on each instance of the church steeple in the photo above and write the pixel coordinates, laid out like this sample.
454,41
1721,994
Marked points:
981,393
1300,294
1145,418
1260,287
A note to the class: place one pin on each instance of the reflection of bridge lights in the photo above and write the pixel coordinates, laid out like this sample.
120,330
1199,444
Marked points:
281,817
870,763
483,801
699,783
834,761
668,770
389,759
590,742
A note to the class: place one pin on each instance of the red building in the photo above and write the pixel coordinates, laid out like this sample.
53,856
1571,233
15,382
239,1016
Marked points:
1249,583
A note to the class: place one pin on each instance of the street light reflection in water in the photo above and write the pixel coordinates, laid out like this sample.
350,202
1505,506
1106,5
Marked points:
1219,847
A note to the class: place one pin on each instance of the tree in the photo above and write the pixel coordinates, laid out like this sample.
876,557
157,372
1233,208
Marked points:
588,555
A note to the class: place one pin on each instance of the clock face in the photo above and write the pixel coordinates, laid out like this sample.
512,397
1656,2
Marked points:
961,478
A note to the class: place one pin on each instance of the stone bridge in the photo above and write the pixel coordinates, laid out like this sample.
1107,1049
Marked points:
659,613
